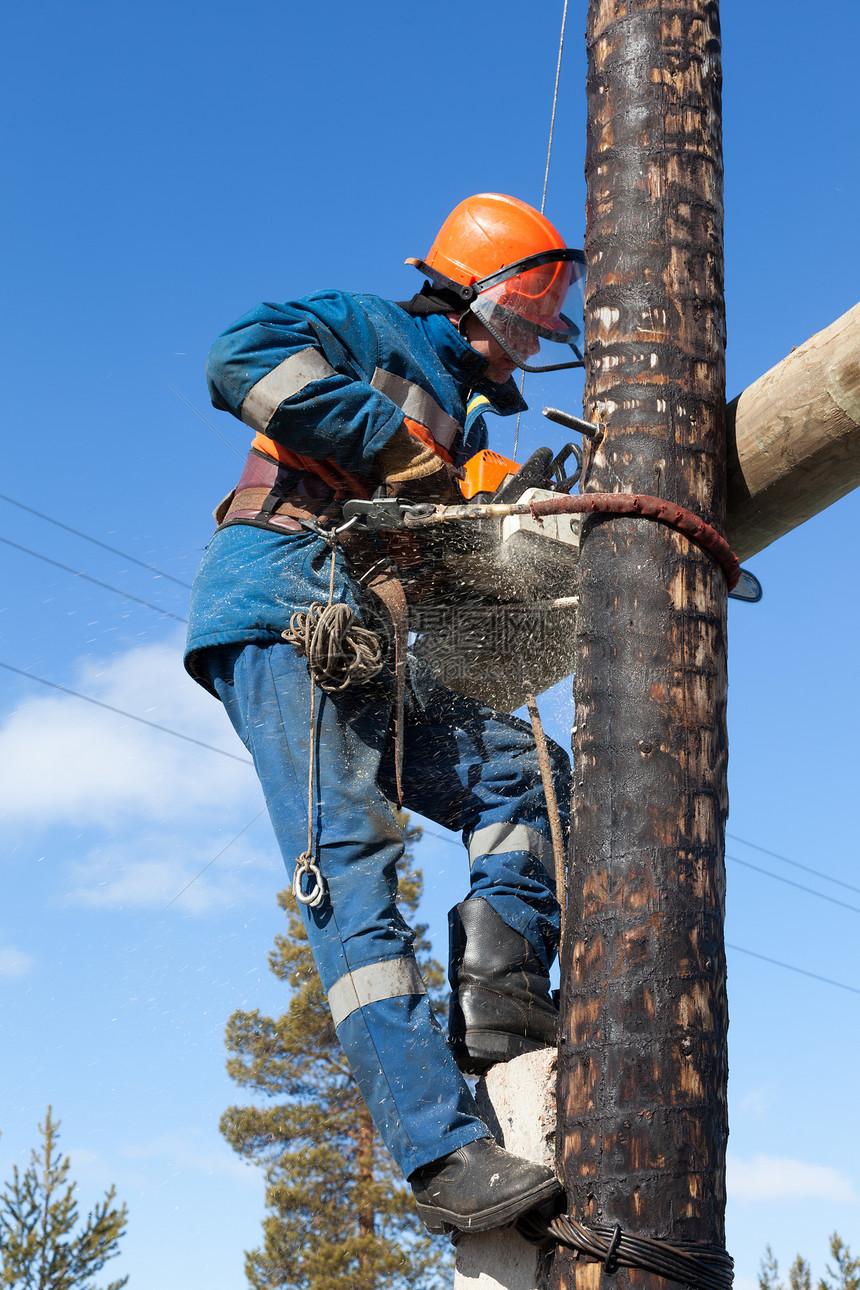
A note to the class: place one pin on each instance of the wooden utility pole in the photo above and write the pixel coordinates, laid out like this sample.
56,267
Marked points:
642,1078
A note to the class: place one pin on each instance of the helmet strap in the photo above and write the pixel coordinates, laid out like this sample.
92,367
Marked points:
433,300
465,293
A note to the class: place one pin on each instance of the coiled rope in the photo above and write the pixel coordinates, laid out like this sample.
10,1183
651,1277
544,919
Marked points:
340,653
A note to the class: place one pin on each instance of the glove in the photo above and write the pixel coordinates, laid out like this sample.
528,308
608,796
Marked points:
410,469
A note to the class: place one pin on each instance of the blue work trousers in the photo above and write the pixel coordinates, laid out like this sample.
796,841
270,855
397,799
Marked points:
465,767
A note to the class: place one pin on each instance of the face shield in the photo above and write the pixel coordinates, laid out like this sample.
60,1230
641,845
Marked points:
521,308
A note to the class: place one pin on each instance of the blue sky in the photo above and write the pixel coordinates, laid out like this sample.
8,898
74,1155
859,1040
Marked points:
168,167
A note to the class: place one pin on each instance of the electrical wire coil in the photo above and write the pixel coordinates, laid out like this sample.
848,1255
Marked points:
696,1264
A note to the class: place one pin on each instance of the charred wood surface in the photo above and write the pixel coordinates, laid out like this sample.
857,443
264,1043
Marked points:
642,1078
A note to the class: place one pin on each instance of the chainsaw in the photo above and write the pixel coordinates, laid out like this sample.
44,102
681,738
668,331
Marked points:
514,558
501,605
517,557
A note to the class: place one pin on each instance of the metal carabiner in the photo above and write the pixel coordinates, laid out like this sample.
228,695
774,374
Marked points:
344,527
307,867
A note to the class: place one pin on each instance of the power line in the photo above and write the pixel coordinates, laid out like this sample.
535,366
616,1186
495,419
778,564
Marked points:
104,585
546,171
429,832
796,863
775,855
210,863
452,842
748,865
737,860
87,698
791,968
554,105
221,436
95,541
740,949
800,887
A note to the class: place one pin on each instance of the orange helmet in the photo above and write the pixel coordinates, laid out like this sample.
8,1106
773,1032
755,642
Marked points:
510,266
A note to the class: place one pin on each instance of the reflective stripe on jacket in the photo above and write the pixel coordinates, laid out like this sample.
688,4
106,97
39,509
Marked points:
327,379
333,375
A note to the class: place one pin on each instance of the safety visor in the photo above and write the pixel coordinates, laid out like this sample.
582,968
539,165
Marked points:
521,307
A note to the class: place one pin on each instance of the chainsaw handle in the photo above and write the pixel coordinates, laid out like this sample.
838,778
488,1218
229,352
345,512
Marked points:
564,483
532,474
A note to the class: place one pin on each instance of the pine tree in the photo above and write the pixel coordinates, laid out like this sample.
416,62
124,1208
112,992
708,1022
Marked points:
339,1214
38,1213
768,1272
847,1273
800,1275
845,1277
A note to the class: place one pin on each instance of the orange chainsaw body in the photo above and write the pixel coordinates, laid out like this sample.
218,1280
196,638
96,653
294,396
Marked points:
485,473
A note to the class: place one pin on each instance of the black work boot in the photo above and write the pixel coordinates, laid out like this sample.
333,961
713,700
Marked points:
479,1187
501,1005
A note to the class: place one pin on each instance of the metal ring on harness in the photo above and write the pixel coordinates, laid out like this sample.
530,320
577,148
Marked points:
305,866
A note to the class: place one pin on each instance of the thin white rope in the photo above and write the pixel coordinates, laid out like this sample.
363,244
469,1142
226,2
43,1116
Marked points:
554,103
546,174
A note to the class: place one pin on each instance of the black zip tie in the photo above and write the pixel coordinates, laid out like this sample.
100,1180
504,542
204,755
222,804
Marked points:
610,1263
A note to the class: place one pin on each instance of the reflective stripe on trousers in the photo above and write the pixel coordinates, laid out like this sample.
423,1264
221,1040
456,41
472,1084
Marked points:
372,983
497,839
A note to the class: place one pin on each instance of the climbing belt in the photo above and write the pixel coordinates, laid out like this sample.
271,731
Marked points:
638,505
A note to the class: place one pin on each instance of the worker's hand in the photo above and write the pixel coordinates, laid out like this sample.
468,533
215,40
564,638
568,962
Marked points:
412,470
441,486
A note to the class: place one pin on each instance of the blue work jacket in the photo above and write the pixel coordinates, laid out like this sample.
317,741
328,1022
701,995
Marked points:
331,376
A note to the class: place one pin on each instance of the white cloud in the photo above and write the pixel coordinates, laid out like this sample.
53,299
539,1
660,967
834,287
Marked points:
14,962
150,872
757,1101
149,811
781,1178
68,761
164,1157
183,1154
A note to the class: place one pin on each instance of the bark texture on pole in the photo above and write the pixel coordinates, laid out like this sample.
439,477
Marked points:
642,1078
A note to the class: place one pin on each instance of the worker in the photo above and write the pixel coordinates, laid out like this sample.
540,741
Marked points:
351,395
